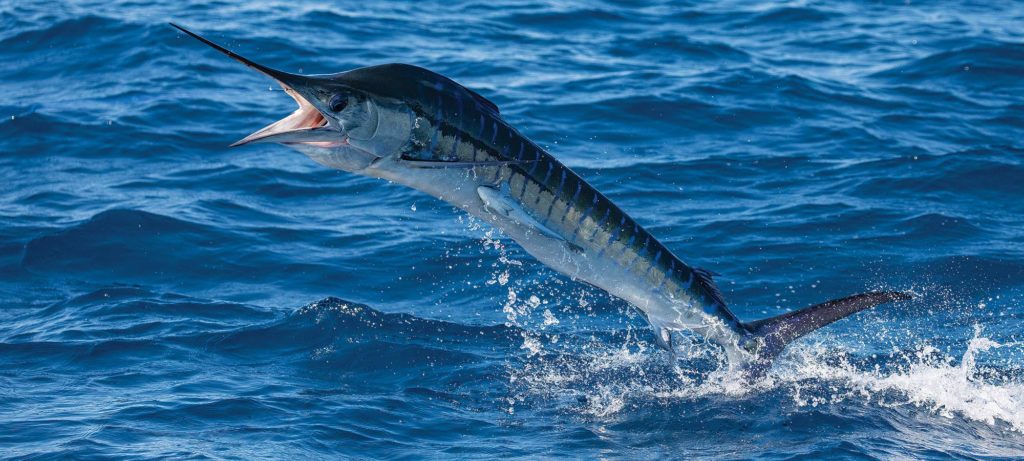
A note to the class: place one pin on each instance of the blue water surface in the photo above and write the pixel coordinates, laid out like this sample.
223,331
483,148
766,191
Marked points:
162,295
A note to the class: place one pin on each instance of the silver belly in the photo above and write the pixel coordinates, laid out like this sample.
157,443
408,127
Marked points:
459,188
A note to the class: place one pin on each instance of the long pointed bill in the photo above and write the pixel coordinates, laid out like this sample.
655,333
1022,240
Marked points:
306,125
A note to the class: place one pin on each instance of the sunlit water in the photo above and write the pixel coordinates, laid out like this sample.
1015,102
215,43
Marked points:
163,295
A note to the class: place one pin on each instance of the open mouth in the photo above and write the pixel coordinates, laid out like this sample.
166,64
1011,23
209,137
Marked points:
305,117
307,125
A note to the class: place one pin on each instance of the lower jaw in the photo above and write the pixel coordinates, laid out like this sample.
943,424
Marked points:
321,144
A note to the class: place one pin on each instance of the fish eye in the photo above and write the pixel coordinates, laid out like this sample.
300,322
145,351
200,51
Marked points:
338,102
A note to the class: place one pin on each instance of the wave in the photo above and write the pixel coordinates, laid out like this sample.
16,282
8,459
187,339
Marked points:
789,15
132,246
333,322
673,46
993,65
569,19
121,241
122,326
985,171
128,312
63,31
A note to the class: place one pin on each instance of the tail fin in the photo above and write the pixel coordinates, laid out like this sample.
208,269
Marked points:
772,335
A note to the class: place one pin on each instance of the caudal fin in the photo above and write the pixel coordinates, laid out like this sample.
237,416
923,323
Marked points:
771,335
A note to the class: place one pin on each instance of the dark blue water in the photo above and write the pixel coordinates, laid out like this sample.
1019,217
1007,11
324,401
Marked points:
162,295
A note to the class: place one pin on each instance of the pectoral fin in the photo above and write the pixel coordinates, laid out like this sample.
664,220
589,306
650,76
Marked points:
501,204
456,164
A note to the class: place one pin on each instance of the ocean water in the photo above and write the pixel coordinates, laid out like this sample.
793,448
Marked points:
162,295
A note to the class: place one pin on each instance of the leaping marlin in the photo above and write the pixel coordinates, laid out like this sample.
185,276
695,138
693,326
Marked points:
418,128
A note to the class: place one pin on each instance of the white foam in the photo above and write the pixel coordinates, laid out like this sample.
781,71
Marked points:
602,380
929,380
608,379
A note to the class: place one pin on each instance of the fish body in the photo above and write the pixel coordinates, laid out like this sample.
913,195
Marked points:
417,128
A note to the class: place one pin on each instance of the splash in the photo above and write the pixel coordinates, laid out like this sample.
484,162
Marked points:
530,306
601,380
928,379
602,376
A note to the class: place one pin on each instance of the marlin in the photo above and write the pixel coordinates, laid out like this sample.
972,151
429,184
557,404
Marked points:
417,128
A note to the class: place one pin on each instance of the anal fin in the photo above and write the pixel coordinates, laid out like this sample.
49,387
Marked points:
663,338
662,335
